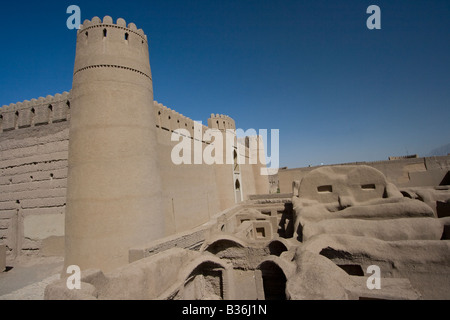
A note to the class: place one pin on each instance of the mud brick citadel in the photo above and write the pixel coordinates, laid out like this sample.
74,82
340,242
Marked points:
88,175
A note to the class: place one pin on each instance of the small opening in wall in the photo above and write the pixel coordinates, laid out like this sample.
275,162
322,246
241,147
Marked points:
50,107
68,104
126,36
169,118
17,113
324,189
352,269
33,111
105,33
87,34
406,194
18,201
260,233
51,175
443,209
370,186
237,185
159,113
31,177
7,268
276,248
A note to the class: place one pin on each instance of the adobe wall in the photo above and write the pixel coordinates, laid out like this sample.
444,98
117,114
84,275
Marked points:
193,193
254,181
414,172
34,138
189,191
33,174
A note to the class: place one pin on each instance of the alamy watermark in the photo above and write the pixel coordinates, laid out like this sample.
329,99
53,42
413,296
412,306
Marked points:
222,147
74,280
74,20
374,281
374,21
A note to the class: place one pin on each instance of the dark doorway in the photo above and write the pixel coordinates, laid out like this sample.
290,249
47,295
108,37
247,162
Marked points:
276,248
274,281
286,225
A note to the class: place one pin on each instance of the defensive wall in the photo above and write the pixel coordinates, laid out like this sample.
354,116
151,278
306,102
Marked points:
34,139
404,172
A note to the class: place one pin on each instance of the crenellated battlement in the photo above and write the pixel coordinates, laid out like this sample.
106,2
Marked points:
170,120
53,109
111,46
220,121
107,22
50,109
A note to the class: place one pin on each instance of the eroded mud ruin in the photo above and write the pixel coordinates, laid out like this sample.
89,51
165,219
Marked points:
87,174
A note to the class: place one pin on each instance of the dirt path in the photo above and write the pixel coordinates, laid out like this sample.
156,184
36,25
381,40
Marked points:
27,277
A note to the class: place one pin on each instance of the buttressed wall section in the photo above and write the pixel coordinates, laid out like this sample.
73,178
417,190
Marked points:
123,189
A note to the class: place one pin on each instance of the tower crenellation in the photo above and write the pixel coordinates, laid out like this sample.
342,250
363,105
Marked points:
107,22
105,44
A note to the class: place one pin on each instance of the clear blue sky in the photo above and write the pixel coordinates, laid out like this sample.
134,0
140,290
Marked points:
337,91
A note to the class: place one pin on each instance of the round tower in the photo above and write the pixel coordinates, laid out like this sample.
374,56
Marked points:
113,191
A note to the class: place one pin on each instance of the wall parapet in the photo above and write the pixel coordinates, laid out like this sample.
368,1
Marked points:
54,109
220,121
107,21
170,120
36,112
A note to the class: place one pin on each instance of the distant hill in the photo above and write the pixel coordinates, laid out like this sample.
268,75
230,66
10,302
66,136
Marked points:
441,151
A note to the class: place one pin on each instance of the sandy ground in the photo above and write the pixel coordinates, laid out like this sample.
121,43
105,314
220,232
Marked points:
27,277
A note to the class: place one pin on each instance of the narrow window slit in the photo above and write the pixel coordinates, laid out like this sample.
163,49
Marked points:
323,189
